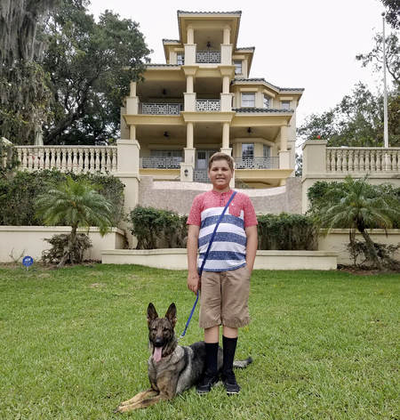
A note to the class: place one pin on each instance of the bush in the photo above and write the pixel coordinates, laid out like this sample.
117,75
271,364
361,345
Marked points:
318,193
18,194
60,242
287,232
155,228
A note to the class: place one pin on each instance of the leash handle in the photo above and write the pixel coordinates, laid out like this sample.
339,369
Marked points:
205,259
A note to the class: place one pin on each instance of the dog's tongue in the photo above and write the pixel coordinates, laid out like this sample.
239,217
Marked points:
157,354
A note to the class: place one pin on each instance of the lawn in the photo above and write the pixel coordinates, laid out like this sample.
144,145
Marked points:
74,344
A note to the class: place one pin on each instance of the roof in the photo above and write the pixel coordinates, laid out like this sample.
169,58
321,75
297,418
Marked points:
246,49
263,110
171,41
184,12
262,80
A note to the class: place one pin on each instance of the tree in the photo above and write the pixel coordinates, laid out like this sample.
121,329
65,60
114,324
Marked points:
90,66
24,94
392,12
357,205
357,121
77,204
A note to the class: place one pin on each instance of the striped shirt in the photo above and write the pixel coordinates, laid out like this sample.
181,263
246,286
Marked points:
228,251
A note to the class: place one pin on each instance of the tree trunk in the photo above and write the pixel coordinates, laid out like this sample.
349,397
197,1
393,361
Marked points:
68,251
371,249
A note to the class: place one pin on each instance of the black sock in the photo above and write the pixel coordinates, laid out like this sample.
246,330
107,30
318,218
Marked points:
212,358
229,348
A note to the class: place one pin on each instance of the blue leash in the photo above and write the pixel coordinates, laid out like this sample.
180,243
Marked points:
204,262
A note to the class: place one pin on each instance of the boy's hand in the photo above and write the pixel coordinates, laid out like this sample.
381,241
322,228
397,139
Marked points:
193,282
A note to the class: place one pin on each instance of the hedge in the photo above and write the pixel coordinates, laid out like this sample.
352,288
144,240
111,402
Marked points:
155,228
19,191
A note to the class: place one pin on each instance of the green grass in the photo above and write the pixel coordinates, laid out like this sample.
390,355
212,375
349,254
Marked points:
73,344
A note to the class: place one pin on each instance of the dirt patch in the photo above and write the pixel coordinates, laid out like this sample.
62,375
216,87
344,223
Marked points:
364,271
97,285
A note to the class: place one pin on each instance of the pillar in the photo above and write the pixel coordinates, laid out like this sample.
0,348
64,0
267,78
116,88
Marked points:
187,166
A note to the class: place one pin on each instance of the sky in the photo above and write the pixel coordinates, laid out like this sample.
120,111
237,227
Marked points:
309,44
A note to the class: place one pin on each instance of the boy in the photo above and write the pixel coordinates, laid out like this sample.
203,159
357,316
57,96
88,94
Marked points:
225,281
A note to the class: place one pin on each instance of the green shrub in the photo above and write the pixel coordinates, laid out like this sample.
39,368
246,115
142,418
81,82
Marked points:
287,232
322,191
155,228
18,194
58,245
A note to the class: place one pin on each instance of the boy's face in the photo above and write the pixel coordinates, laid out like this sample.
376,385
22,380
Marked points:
220,175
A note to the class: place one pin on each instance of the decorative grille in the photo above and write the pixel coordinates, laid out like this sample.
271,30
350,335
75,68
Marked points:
162,162
161,108
208,56
208,105
258,163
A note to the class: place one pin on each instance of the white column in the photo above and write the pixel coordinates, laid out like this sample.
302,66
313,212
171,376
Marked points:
189,84
227,35
132,132
190,35
187,167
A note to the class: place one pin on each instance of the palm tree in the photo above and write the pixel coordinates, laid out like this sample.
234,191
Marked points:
76,204
359,206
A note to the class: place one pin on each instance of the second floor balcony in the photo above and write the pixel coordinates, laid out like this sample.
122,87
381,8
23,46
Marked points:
271,162
208,105
208,57
160,108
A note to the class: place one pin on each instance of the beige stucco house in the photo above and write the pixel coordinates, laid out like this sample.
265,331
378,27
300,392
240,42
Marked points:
203,100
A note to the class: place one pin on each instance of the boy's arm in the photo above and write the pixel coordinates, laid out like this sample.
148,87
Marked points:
193,280
251,248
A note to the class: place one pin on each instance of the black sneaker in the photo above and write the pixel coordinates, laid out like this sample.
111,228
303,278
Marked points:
207,382
230,384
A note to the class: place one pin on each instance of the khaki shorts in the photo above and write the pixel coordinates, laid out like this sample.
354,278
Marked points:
224,298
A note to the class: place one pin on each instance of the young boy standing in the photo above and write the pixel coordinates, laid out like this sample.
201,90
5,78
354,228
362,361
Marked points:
225,281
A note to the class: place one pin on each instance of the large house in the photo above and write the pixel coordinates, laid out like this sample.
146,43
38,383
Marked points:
203,100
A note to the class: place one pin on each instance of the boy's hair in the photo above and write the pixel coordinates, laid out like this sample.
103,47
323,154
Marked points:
221,156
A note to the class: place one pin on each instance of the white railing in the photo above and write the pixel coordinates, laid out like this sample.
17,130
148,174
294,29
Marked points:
68,158
161,108
208,56
271,162
362,159
161,162
208,105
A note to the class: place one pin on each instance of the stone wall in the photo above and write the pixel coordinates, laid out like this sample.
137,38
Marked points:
178,196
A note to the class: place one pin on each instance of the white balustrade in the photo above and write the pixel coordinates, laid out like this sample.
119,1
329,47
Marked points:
362,159
68,159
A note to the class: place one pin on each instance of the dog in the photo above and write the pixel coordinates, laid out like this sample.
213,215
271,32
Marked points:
172,369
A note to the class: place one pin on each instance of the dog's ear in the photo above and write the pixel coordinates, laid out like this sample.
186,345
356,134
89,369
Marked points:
151,313
171,314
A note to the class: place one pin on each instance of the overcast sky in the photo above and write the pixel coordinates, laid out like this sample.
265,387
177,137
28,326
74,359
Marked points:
310,44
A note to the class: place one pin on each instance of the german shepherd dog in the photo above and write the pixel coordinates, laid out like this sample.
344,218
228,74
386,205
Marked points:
172,369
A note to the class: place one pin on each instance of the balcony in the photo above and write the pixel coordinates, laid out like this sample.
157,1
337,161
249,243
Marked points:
208,57
257,163
160,108
208,105
161,162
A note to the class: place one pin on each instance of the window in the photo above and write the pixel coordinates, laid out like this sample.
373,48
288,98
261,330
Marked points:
266,151
266,102
180,59
285,105
248,100
238,67
247,150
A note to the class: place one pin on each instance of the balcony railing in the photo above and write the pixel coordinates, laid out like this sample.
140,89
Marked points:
257,163
208,105
68,158
362,159
161,162
208,56
160,108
